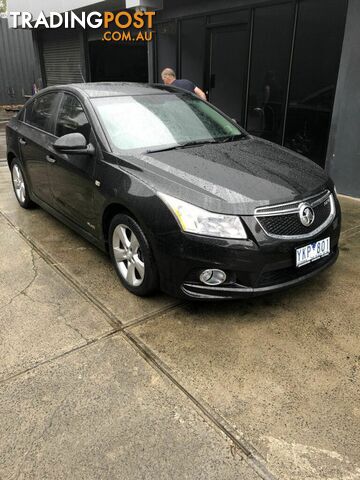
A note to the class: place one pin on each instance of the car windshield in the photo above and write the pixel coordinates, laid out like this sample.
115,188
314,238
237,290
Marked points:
158,122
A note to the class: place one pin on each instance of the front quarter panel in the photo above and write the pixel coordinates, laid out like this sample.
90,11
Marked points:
120,184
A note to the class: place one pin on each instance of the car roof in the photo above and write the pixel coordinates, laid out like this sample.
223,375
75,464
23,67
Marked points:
116,89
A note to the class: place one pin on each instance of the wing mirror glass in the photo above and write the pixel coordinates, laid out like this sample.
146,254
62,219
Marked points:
74,144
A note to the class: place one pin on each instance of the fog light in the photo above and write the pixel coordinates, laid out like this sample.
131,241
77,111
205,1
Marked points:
213,277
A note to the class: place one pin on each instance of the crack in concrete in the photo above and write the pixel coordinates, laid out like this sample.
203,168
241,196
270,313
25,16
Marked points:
58,305
37,439
28,286
61,315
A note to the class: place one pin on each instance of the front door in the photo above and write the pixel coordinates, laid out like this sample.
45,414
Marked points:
72,176
228,63
36,138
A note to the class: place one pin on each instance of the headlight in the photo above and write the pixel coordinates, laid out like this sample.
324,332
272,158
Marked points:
201,222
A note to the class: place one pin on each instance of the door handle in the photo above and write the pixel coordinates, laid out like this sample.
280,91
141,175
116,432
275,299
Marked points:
22,141
50,159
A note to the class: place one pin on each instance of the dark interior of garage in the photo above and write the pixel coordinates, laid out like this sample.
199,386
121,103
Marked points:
118,62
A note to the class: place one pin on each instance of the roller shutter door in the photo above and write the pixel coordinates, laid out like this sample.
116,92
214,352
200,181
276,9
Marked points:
62,57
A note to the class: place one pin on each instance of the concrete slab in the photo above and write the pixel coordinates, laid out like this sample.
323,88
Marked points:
2,147
41,316
283,369
104,413
85,263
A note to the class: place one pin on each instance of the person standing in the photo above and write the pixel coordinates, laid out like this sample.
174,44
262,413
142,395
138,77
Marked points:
169,78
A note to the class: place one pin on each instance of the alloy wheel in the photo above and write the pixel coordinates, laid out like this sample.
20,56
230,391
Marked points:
19,183
128,255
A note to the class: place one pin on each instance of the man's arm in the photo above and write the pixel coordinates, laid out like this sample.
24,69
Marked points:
200,93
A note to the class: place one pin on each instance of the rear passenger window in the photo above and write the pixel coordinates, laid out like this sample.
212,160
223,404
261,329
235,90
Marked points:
72,118
39,113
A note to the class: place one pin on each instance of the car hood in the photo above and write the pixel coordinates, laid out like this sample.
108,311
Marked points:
235,177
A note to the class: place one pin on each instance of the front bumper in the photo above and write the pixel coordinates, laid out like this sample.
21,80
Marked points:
201,292
254,267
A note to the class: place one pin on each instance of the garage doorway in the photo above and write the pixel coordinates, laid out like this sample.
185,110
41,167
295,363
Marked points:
118,62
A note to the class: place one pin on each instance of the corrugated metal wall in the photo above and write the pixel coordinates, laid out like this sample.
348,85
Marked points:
18,70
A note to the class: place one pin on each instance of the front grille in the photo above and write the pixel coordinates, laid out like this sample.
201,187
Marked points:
291,224
284,221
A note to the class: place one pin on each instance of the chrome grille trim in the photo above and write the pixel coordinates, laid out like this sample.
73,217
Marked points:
293,207
279,210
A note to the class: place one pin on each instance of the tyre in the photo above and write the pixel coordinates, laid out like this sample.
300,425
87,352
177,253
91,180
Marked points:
19,185
132,257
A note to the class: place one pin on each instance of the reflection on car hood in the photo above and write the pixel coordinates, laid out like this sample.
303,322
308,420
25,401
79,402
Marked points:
234,177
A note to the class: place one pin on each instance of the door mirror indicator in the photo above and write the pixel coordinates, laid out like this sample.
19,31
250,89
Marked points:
74,144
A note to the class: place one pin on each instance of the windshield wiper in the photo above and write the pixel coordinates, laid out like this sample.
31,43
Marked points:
232,138
196,142
165,149
180,146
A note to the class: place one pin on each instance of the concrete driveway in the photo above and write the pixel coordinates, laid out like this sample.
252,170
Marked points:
98,384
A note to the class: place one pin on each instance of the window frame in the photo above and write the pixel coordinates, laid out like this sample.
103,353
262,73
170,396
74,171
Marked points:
21,115
53,111
59,107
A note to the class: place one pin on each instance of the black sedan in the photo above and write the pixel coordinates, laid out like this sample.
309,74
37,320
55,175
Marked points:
180,196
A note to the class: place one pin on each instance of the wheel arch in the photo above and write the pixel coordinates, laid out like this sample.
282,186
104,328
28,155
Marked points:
109,213
10,157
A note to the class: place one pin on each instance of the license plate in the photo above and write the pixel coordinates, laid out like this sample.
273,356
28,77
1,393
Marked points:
313,252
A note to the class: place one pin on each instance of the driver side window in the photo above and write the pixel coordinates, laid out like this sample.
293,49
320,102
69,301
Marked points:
39,113
72,118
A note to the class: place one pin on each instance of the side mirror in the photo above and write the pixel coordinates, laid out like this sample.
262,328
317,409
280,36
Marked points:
74,144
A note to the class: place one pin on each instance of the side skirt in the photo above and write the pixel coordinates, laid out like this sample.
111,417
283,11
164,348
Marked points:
69,223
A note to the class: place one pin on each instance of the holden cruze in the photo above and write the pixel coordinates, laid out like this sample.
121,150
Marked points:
178,194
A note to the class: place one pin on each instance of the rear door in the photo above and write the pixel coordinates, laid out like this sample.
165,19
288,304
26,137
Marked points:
72,176
36,137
